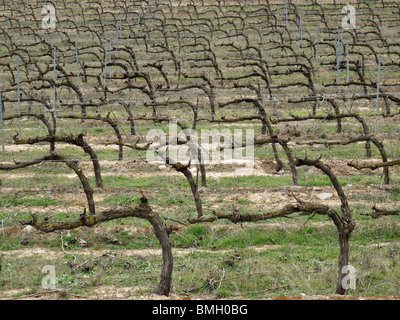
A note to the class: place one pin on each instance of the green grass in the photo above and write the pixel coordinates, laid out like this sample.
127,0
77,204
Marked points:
243,201
274,258
241,181
305,180
290,260
301,258
12,201
391,195
120,181
126,199
41,182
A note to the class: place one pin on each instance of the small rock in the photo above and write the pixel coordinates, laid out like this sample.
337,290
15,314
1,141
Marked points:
161,167
83,243
324,196
28,229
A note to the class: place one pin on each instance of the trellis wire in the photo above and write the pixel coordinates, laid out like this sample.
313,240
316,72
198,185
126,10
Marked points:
332,152
282,98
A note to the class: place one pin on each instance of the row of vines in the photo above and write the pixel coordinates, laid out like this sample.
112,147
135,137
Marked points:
262,64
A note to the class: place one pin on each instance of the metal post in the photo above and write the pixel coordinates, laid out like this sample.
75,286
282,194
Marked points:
120,17
286,13
109,53
77,65
317,50
148,15
116,41
377,93
19,97
337,42
128,29
341,43
54,78
300,30
138,23
2,130
8,18
119,27
105,61
348,70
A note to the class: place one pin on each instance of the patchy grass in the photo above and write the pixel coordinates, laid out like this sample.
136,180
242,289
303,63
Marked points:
13,200
269,259
218,260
